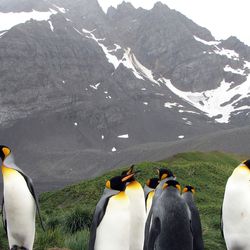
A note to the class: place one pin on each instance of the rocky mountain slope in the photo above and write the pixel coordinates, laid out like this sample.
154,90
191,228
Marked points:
82,90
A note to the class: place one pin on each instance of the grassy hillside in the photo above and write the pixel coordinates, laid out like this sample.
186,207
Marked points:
68,212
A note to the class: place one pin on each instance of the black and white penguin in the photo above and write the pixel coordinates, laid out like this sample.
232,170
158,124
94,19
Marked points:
188,196
171,225
110,229
19,205
137,210
235,221
149,191
164,175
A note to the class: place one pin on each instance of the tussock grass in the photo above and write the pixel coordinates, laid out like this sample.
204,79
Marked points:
68,212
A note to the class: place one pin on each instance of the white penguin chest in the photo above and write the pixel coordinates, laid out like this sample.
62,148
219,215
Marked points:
137,201
236,213
137,211
113,231
18,200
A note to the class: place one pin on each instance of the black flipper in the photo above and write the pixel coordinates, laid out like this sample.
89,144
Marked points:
4,217
154,233
221,224
32,191
146,230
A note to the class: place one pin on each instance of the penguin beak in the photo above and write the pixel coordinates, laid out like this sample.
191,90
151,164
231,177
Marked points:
157,170
127,177
131,170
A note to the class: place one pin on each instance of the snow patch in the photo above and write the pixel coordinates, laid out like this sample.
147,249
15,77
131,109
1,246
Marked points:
227,68
172,104
210,101
2,34
95,86
159,94
246,65
51,26
125,136
128,60
60,9
210,43
231,54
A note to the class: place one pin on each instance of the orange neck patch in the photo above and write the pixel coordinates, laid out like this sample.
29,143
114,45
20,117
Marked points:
8,171
134,185
120,196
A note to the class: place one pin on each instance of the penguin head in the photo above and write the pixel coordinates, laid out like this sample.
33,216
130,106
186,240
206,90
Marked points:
118,182
172,183
131,172
4,152
152,183
164,173
188,188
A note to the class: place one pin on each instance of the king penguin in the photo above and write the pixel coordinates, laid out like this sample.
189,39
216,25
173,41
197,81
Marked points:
137,210
110,229
188,196
149,191
164,175
171,225
235,221
19,204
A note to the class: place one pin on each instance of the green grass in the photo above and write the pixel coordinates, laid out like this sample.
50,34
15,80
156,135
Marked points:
68,212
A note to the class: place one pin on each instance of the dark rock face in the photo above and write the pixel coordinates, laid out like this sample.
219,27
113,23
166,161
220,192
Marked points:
80,91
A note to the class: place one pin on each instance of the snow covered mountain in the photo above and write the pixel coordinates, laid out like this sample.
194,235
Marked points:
82,86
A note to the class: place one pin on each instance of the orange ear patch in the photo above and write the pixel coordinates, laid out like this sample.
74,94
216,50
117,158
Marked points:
6,151
108,185
165,185
178,186
164,176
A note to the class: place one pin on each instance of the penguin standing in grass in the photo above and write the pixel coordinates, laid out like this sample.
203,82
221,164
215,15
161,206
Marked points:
19,204
235,221
164,175
171,225
137,210
110,229
188,196
149,191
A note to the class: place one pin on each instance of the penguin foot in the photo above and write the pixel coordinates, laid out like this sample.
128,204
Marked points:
15,247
